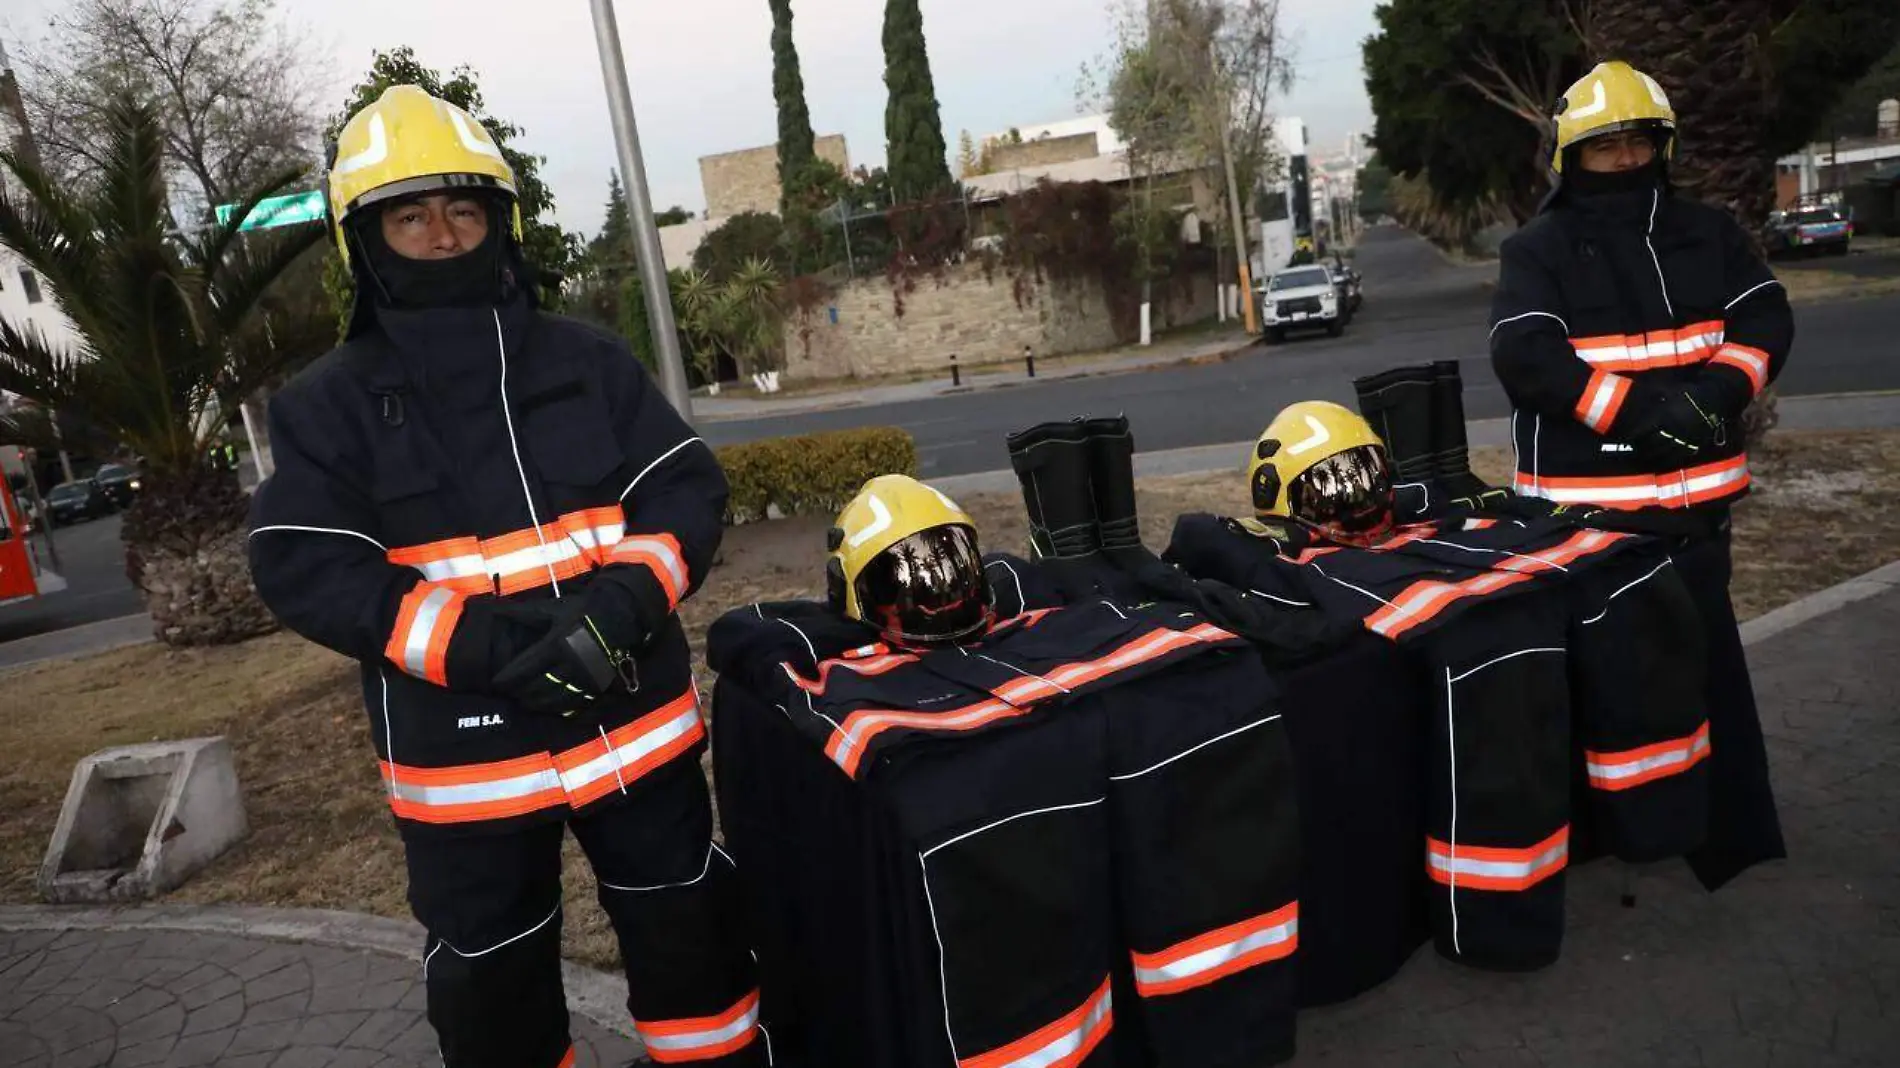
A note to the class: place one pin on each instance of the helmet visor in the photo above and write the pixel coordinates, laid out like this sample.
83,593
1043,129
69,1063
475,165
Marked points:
928,588
1349,494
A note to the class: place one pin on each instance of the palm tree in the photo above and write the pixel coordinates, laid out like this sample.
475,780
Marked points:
170,341
1714,62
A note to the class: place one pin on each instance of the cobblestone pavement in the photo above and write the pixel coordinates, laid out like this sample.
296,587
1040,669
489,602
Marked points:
75,999
1796,964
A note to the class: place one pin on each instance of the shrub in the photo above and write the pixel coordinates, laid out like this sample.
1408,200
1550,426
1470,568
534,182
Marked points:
811,473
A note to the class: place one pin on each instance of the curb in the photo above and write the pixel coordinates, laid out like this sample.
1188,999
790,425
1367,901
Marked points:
1815,605
595,995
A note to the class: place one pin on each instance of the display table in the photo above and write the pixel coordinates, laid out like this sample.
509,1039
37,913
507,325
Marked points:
832,888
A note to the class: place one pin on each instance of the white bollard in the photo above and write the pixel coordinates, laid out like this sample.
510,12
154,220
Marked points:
1147,323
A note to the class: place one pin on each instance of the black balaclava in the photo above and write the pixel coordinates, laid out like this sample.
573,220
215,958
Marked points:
480,277
1650,176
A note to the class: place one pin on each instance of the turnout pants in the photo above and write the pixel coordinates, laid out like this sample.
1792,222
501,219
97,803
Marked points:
492,907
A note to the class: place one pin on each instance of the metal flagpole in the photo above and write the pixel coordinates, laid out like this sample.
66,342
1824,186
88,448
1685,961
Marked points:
646,234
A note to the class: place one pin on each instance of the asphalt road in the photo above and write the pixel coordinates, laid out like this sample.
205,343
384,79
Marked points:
1418,308
92,562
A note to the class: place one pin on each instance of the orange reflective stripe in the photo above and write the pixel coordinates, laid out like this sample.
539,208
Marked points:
522,559
1424,600
425,621
660,554
567,1059
597,768
1634,767
1602,398
848,743
472,792
1218,954
703,1038
1671,489
453,562
595,530
1492,868
1750,361
1649,351
875,665
1063,1044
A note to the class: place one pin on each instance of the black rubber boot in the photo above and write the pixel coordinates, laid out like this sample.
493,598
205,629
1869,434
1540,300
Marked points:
1451,456
1052,462
1399,405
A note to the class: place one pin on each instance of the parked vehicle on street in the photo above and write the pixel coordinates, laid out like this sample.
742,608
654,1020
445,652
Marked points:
1297,298
72,502
120,483
1808,231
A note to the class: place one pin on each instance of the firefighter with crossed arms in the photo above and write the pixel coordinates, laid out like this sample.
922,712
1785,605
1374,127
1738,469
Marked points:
1631,329
496,513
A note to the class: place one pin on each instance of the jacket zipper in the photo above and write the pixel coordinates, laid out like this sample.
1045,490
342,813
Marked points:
514,446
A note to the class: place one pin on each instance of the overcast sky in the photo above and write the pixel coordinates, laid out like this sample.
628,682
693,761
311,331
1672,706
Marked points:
701,71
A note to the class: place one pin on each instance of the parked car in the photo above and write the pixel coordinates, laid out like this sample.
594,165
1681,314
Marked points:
1349,284
119,483
1806,231
1298,298
71,502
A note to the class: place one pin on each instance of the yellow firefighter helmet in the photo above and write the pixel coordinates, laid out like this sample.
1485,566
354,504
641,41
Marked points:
409,142
1612,98
904,559
1321,464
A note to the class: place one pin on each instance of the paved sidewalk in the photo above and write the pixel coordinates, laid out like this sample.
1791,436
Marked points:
1796,964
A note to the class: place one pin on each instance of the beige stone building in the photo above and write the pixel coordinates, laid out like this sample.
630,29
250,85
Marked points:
747,180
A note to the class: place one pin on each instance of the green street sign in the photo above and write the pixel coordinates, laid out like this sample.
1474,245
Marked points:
288,210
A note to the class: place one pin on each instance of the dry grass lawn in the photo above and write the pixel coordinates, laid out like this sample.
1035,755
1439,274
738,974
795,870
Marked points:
1826,507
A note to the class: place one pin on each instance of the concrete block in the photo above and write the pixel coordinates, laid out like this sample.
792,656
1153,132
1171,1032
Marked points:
141,819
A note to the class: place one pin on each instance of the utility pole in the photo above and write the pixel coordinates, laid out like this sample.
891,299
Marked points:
646,234
1225,114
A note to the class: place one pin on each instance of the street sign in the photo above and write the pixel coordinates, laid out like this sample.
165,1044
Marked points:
287,210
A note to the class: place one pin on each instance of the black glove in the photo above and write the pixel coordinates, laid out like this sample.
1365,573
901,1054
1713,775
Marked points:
569,668
1669,428
1486,499
491,633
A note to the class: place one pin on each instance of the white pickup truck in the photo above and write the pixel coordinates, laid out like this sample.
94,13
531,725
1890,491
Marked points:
1298,298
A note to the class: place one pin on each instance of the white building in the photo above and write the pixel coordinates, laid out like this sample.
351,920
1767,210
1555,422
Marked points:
1107,141
25,299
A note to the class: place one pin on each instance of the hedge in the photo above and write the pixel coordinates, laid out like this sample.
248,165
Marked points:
811,473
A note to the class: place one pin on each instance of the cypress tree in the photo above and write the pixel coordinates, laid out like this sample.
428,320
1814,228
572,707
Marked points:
913,129
795,141
613,246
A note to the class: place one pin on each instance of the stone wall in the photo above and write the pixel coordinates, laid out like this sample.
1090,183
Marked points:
976,319
1042,152
747,180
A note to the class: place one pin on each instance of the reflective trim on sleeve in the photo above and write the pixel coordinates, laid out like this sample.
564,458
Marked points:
660,553
702,1038
1634,767
453,562
1062,1044
595,530
1673,489
599,767
1422,601
1602,399
1219,953
1493,868
1750,361
473,792
1629,353
425,621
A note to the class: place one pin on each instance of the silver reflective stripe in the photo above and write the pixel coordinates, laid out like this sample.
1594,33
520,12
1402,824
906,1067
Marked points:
1630,769
1682,487
1207,959
597,537
685,1043
633,751
1501,869
474,793
455,567
1604,393
1066,1044
415,644
533,558
661,550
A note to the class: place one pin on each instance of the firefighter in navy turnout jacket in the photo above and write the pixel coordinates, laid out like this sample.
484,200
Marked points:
495,512
1631,329
1098,793
1516,628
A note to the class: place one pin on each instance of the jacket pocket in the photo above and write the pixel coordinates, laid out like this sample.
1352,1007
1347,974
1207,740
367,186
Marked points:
570,435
